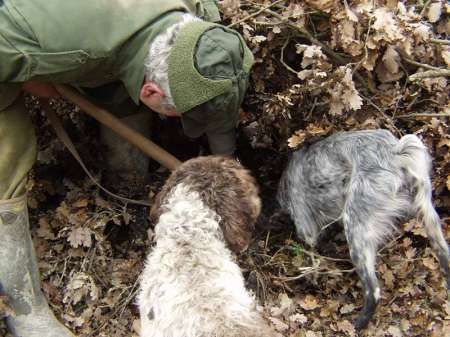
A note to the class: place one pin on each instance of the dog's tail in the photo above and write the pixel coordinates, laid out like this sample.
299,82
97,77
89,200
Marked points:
413,158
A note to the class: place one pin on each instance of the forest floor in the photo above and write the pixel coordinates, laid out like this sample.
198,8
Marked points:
321,66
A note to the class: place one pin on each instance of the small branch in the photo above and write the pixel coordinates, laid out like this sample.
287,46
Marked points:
418,64
304,32
414,115
255,14
382,113
430,74
438,41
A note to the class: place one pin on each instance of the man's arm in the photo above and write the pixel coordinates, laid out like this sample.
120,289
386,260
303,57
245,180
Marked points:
40,89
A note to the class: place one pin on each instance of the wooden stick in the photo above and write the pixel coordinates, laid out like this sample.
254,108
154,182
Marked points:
255,14
414,115
418,64
429,74
438,41
142,143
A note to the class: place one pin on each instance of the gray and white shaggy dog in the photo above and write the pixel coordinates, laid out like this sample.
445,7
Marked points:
191,285
367,180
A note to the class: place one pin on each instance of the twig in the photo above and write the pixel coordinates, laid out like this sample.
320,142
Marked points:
255,14
304,32
313,271
438,41
430,74
413,115
310,253
418,64
382,114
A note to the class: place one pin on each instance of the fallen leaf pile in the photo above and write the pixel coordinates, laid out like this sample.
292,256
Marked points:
322,66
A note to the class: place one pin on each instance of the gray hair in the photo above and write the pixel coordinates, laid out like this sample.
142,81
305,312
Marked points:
156,66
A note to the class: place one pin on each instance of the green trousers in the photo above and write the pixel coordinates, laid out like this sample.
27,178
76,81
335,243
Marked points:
18,146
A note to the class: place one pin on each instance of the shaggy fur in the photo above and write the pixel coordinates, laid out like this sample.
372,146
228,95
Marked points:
226,188
367,180
191,285
156,66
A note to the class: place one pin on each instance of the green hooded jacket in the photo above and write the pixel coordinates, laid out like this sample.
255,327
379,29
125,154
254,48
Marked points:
84,42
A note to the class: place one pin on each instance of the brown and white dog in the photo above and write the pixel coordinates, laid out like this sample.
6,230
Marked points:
191,285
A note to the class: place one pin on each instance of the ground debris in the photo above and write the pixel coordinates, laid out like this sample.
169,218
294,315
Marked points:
321,66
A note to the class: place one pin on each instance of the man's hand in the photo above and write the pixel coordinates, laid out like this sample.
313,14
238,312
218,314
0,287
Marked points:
40,89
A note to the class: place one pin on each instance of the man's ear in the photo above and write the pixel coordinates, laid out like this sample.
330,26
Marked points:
150,89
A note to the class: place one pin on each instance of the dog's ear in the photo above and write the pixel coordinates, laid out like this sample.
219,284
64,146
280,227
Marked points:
238,205
226,188
237,228
158,203
155,210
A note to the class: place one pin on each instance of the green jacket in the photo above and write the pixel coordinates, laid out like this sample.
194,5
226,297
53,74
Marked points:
85,42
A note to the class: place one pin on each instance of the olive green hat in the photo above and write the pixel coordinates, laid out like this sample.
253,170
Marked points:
209,68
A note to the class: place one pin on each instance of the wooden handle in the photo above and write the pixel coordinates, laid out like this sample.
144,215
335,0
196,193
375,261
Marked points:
142,143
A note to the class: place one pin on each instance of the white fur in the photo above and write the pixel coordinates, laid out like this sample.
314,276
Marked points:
156,66
191,285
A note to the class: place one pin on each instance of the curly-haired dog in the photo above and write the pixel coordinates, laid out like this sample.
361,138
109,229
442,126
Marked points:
367,180
191,285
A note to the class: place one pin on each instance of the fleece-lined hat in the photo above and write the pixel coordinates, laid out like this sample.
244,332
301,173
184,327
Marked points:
209,68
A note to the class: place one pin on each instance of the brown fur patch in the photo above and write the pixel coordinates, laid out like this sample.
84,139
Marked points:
225,187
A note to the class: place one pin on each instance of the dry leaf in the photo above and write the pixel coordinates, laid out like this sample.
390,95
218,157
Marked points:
447,308
405,325
296,139
312,55
5,309
394,331
388,278
434,11
299,318
276,30
309,302
81,203
278,324
230,7
346,327
80,237
80,286
386,25
446,56
391,60
137,326
347,308
323,5
351,15
430,263
45,231
258,39
285,302
344,95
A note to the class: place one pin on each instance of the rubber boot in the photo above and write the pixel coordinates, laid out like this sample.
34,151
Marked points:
19,276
